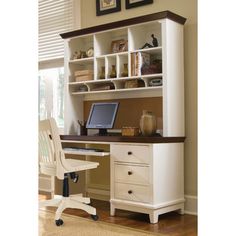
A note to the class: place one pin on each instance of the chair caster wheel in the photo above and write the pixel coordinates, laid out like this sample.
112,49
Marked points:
59,222
94,217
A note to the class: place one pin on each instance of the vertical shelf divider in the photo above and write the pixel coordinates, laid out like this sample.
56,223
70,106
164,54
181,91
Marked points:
106,68
117,66
95,66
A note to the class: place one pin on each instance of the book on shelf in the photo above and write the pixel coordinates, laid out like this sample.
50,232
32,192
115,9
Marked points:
83,75
142,63
83,78
132,60
138,61
83,72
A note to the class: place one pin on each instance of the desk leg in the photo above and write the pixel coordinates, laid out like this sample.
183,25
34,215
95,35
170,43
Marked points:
153,216
112,210
181,210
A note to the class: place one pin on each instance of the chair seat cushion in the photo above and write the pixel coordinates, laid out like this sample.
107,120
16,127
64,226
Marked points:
78,165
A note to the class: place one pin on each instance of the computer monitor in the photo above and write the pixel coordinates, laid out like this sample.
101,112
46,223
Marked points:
102,116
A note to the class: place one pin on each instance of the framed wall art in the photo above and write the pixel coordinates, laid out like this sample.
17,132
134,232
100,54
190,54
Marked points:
136,3
119,46
107,6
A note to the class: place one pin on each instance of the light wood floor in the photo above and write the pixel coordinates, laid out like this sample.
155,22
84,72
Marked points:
170,223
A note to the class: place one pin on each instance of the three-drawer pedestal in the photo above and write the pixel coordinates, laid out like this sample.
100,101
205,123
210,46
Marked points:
147,178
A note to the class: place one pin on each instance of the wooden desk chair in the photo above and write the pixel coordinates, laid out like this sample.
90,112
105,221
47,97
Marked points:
52,162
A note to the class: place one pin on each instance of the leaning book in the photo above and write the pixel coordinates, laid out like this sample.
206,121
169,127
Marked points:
138,61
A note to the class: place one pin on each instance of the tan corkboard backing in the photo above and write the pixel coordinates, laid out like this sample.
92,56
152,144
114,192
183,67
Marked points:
130,110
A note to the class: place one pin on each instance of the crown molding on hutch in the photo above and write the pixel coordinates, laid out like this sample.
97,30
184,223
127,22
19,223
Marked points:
132,21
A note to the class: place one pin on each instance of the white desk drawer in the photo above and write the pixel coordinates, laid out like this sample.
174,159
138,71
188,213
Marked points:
132,174
131,153
132,192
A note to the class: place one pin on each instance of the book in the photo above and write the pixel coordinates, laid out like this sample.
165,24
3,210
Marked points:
139,60
132,64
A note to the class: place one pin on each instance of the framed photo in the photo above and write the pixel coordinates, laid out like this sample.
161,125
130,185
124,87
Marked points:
136,3
119,46
107,6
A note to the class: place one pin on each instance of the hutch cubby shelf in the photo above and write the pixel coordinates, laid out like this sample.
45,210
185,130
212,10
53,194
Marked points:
136,37
167,27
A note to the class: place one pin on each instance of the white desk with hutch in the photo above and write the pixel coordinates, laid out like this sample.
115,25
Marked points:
146,173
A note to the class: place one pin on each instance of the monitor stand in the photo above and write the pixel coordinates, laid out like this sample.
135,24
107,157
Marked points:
102,132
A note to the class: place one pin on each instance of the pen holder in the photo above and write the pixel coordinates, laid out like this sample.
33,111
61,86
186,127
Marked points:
82,128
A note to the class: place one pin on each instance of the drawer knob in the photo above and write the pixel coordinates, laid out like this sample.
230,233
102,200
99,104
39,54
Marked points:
129,153
130,172
130,191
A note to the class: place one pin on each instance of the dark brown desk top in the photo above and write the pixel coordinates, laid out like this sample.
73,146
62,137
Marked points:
134,139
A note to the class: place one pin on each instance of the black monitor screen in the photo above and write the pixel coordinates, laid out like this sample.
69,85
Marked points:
102,115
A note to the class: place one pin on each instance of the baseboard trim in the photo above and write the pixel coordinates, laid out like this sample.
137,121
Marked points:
190,206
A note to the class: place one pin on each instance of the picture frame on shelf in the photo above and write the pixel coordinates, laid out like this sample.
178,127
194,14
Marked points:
119,46
107,6
136,3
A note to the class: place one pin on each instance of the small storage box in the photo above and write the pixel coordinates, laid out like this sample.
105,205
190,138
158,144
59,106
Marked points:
83,72
130,131
83,78
83,75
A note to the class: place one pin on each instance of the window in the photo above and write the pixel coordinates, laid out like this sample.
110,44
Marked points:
51,94
55,17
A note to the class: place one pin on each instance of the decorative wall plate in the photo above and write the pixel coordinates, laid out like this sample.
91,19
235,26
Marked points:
90,52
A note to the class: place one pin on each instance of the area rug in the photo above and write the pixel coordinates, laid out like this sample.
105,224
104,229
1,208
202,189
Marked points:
78,226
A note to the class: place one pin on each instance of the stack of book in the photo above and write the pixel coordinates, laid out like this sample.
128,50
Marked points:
139,60
142,63
83,75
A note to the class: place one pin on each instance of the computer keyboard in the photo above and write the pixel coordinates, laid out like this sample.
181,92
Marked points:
76,149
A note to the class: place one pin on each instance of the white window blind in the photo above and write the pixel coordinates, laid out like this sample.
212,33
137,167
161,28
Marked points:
55,17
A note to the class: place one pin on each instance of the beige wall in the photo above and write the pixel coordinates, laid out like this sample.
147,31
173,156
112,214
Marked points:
187,9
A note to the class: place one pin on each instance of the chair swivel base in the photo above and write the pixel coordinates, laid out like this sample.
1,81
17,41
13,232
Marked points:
75,201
